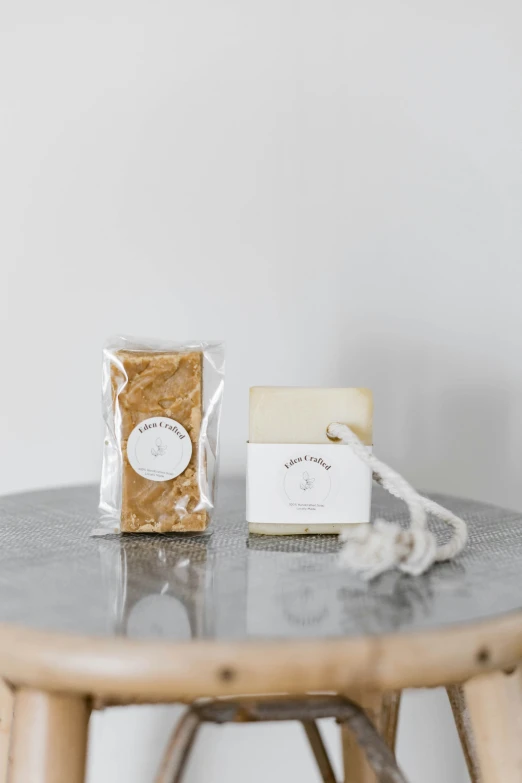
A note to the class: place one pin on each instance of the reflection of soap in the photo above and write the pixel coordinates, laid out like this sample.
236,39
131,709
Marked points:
293,593
280,414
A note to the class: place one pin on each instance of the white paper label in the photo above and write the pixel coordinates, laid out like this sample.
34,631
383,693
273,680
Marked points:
300,483
159,449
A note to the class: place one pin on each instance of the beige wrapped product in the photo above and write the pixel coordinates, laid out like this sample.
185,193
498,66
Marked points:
156,427
160,385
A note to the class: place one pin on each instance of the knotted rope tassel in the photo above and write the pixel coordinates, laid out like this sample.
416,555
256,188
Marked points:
372,549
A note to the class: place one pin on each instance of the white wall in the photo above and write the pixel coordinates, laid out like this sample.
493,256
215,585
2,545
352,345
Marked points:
333,187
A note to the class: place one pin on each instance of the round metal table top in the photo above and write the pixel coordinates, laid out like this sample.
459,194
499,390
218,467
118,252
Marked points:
228,585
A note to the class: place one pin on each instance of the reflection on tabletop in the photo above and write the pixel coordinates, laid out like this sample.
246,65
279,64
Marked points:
178,589
228,585
158,586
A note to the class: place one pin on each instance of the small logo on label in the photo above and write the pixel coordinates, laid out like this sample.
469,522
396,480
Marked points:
308,488
307,482
159,448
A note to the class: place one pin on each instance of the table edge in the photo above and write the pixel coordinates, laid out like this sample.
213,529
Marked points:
122,670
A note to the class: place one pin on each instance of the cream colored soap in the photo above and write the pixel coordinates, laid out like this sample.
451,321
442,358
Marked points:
285,414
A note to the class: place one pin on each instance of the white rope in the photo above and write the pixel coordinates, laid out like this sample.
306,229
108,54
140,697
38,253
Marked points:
372,549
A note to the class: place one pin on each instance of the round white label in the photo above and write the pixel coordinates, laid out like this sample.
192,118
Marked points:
159,449
307,479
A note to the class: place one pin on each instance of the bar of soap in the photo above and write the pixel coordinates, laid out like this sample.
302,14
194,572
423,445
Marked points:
168,385
284,414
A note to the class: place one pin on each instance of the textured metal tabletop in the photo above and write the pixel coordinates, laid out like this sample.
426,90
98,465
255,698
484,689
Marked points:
227,585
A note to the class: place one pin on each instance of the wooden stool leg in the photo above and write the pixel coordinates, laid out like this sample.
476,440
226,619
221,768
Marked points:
318,749
178,750
6,719
387,720
462,721
494,702
383,711
49,742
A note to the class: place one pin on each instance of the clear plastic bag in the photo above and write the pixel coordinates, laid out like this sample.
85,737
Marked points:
162,408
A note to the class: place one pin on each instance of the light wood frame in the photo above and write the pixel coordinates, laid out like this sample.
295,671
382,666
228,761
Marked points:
67,672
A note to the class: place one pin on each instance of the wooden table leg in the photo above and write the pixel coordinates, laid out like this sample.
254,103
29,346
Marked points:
49,742
318,749
462,721
494,702
178,750
6,719
383,711
388,717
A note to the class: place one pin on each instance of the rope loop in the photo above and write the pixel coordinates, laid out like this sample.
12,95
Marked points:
372,549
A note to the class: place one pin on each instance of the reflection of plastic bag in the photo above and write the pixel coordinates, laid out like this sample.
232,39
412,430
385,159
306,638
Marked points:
158,588
162,406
